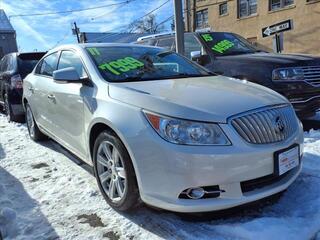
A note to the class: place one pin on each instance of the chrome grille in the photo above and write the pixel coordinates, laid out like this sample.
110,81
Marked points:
312,74
271,125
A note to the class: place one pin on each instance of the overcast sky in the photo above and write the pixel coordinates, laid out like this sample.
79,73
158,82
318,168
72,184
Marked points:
44,32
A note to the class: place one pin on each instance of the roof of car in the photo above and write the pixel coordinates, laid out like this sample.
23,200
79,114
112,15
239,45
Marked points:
88,45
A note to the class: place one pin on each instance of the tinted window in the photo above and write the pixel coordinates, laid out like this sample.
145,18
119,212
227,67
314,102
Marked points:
26,66
49,64
118,64
70,59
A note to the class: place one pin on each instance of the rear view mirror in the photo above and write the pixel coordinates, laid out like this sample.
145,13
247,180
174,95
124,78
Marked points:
200,59
66,75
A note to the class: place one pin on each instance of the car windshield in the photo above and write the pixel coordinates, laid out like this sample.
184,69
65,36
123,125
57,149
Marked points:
222,44
135,63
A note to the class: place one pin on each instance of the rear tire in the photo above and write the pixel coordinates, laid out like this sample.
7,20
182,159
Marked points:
114,172
8,111
33,129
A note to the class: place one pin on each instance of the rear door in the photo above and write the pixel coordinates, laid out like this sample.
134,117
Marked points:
67,109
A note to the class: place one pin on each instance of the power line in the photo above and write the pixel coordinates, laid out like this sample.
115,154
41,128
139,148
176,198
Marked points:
61,40
69,11
137,19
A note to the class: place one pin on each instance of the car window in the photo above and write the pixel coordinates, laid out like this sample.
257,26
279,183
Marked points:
26,66
191,44
165,43
4,64
223,44
11,66
71,59
49,64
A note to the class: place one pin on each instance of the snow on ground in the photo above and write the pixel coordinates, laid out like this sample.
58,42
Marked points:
46,193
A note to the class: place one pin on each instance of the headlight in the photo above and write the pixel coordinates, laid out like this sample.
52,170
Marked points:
287,74
187,132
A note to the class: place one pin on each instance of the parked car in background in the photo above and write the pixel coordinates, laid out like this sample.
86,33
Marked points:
295,76
158,127
14,68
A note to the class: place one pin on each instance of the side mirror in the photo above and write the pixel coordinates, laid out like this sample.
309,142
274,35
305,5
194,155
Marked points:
195,55
67,75
200,59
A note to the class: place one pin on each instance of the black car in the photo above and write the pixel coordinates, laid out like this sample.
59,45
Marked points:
297,77
14,67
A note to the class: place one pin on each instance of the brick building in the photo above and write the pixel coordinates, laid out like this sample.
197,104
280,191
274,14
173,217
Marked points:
248,17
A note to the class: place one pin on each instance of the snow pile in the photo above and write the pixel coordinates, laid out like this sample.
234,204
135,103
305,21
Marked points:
46,193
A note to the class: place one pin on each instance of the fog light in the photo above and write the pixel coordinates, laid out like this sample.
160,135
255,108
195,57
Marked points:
195,193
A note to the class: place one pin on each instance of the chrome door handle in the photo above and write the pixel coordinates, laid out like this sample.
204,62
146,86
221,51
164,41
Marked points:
31,89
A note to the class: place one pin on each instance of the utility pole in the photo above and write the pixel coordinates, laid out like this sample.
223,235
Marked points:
194,13
178,18
76,31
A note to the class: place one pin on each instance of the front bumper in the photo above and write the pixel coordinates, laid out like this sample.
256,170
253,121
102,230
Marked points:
165,170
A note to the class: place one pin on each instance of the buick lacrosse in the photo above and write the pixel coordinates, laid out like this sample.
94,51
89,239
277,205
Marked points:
162,129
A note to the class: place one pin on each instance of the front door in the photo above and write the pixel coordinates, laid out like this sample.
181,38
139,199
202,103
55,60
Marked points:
68,107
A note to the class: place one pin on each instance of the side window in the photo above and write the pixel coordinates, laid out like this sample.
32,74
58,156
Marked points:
165,43
38,68
49,64
191,44
71,59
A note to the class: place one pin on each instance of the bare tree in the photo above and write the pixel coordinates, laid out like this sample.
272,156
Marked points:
146,25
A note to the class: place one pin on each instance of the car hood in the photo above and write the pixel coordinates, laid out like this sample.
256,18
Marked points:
211,99
286,59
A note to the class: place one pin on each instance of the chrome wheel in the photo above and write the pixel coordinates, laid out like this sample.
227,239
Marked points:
111,172
30,122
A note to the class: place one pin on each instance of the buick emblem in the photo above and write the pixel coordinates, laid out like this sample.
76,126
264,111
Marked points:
279,125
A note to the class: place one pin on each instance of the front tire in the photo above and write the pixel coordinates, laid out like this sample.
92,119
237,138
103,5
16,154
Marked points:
33,129
114,172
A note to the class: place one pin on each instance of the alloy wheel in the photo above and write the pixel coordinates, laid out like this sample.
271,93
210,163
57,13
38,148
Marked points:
111,171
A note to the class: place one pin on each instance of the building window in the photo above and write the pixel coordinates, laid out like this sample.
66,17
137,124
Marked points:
223,9
247,8
278,4
202,19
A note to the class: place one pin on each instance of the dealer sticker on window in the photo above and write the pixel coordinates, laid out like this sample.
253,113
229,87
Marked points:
288,160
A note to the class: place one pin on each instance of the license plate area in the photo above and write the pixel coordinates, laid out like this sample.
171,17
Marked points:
286,159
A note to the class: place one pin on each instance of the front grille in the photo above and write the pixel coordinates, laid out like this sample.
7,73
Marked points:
271,125
312,75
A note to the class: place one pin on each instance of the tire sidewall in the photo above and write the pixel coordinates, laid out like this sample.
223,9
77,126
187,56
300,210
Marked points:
130,198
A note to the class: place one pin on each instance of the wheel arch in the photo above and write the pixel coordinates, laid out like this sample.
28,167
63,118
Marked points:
100,125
